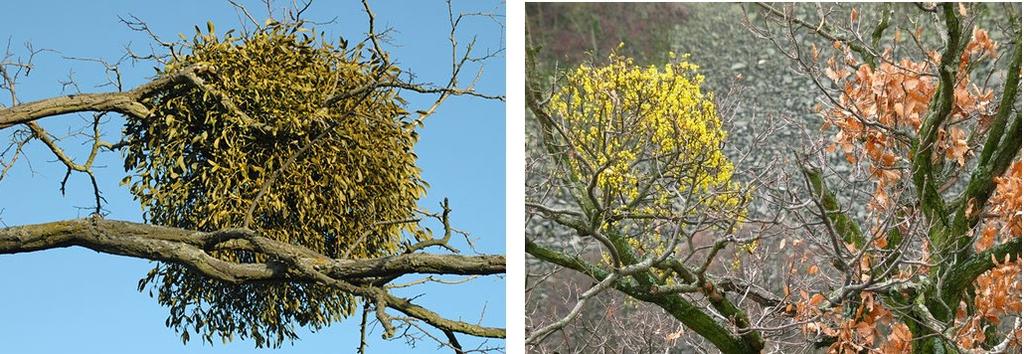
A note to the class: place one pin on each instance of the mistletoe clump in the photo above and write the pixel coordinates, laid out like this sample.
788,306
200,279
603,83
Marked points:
647,142
286,134
648,133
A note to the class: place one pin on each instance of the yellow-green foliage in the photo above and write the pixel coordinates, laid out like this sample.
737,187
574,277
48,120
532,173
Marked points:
650,131
202,157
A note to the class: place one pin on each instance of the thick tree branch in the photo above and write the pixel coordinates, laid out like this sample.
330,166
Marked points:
924,180
128,102
1001,145
289,263
964,273
189,247
674,304
120,102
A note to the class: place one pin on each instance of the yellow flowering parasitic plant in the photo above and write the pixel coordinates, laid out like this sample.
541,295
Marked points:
646,141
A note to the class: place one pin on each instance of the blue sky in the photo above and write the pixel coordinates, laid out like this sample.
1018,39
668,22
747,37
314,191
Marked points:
77,300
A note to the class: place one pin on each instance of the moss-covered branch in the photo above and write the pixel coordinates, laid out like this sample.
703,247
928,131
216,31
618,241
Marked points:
964,273
1001,145
674,304
846,228
942,105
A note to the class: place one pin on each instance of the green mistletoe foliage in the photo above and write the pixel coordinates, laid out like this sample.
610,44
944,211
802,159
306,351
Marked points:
284,133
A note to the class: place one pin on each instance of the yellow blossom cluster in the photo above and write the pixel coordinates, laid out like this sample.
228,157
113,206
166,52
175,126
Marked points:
648,136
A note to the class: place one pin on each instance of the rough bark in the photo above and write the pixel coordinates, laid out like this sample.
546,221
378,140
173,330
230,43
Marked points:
128,102
675,305
290,263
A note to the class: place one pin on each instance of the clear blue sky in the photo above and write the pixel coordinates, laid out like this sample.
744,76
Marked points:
78,301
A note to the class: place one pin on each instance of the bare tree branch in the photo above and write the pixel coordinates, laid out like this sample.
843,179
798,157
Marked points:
289,263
